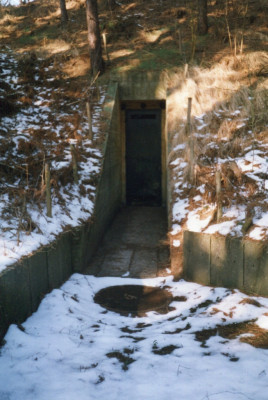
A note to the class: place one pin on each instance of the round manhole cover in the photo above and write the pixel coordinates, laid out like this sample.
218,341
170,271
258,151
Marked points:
134,299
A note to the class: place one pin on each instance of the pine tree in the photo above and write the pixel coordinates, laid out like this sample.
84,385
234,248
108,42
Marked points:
94,38
202,17
64,14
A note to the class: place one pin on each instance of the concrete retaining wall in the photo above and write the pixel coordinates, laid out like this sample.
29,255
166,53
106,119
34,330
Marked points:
145,85
23,284
109,190
225,261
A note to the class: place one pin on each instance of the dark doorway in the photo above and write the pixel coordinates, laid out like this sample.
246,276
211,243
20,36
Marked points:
143,157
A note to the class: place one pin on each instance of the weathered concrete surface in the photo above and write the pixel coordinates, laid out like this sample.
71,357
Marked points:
86,238
144,85
135,245
59,261
78,249
24,284
225,261
39,285
256,267
15,295
196,255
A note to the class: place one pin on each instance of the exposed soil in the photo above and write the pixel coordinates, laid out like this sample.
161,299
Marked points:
122,357
247,332
165,350
178,330
136,300
136,339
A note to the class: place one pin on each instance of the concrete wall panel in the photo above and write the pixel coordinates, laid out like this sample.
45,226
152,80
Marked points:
78,247
38,273
226,262
196,254
15,294
54,266
143,86
256,267
66,255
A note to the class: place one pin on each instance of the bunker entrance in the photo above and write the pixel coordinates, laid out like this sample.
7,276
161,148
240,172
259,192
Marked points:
143,157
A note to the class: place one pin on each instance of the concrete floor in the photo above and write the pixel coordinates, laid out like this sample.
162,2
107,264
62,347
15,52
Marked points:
135,245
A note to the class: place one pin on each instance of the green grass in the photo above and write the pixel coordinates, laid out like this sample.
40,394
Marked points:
158,58
34,36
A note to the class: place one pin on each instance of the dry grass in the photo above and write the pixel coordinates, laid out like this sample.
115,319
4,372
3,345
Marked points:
77,66
247,332
228,84
233,96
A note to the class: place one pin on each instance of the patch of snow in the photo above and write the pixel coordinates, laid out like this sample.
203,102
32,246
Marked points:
68,347
176,162
262,322
201,116
180,147
235,212
252,161
236,112
202,189
262,221
175,229
180,209
197,198
257,233
14,3
194,223
224,228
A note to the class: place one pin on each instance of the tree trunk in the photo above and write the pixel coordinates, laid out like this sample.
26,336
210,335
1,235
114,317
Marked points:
63,10
202,17
111,4
107,4
94,39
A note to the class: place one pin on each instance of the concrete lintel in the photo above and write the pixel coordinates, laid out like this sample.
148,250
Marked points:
142,85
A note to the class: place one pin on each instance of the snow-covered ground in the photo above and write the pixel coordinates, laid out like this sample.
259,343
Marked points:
244,172
47,121
72,348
